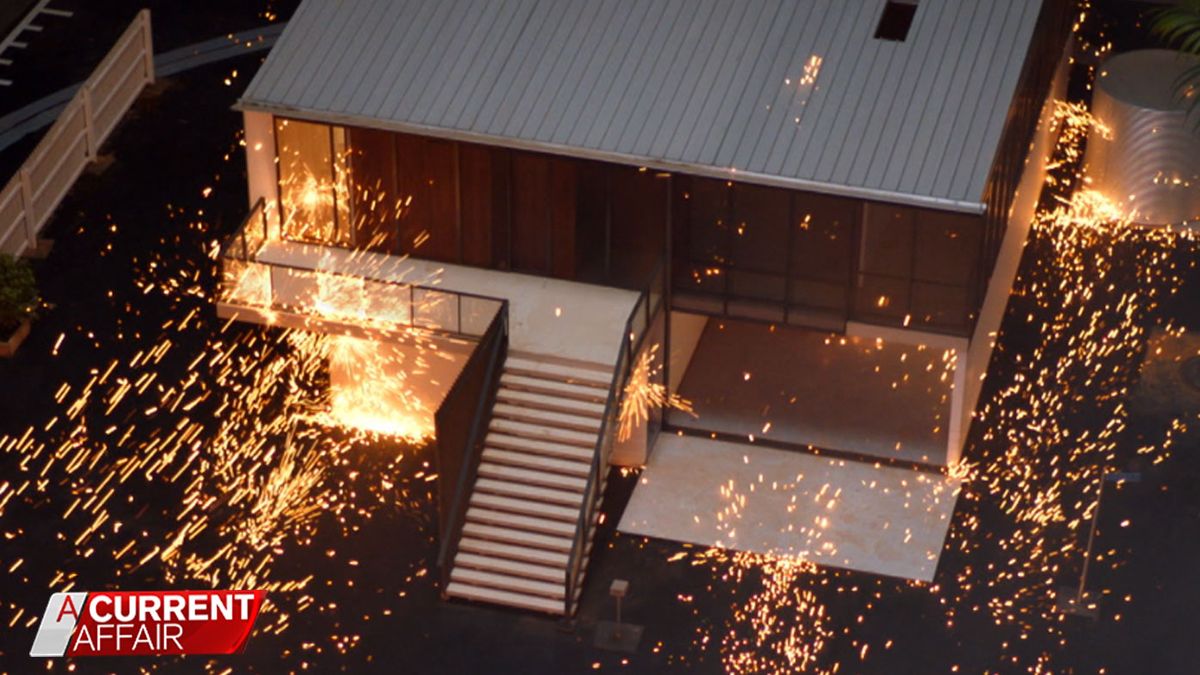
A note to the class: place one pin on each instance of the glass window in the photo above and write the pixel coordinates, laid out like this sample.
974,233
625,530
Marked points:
947,247
311,182
887,240
759,246
822,256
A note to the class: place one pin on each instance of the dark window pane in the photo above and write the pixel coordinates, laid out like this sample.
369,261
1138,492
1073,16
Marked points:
887,240
822,257
708,218
756,285
947,247
760,228
819,295
939,306
881,298
823,238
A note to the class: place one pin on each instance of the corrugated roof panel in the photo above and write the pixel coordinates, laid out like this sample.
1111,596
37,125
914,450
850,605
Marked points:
852,64
890,131
975,162
781,91
596,72
733,111
964,122
929,115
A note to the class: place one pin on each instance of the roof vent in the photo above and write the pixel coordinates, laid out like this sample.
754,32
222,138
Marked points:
896,20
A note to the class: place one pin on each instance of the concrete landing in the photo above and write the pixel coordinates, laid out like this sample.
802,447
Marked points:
882,520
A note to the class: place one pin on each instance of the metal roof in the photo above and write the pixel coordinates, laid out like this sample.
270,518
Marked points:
786,92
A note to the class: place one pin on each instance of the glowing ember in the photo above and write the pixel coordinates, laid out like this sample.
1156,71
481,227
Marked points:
643,395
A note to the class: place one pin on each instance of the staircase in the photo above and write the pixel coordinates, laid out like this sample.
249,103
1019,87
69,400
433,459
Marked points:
521,519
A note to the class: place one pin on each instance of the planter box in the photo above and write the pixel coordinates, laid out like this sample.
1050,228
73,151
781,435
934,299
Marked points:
9,346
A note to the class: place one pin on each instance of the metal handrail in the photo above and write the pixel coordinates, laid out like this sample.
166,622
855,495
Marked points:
235,247
620,378
469,471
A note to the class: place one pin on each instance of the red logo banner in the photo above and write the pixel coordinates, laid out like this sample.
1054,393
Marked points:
147,623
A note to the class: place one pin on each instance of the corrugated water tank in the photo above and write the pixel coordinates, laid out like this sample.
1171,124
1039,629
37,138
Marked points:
1151,162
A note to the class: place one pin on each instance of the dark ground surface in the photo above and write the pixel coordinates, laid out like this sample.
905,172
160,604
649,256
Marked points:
11,13
173,146
67,49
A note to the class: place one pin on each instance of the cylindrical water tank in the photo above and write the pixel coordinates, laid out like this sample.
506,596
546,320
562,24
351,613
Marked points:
1151,161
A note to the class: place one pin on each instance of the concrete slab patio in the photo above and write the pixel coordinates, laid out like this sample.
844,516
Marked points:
869,518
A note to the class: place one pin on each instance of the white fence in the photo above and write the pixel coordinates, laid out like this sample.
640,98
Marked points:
31,196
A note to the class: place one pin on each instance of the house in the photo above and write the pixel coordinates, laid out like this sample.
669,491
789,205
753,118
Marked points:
583,207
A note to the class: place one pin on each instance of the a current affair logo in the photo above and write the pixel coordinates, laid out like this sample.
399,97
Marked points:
146,623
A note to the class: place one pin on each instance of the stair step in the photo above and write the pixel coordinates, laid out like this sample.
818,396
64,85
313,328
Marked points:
524,460
521,491
538,385
525,507
518,537
561,404
525,554
532,477
536,447
554,575
506,582
597,377
495,596
554,528
547,418
544,433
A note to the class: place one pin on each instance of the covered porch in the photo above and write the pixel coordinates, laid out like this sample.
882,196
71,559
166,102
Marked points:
870,398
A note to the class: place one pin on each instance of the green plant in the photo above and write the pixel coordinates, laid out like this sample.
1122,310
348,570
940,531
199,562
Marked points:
18,293
1179,26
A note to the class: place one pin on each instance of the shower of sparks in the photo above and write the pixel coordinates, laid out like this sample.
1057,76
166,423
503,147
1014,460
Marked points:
244,450
782,628
251,442
643,395
255,468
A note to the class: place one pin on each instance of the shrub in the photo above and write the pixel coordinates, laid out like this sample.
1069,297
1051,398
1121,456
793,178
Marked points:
1179,27
18,293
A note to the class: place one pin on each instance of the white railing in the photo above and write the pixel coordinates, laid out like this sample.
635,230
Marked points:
31,196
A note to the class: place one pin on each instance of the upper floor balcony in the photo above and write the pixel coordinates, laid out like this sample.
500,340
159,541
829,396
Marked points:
329,288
